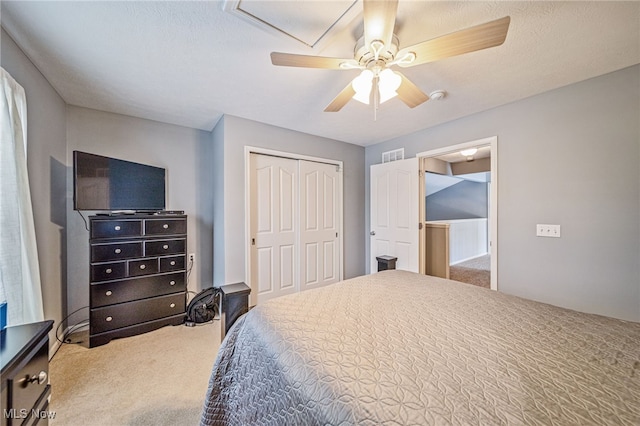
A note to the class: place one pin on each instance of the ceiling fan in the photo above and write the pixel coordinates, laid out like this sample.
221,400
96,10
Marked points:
377,51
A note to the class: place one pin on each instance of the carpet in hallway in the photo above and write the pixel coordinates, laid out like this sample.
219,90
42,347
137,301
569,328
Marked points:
475,271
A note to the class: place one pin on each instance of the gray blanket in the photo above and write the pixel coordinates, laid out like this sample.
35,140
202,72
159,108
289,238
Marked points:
400,348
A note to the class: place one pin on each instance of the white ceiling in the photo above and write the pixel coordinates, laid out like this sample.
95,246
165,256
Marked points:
187,63
457,157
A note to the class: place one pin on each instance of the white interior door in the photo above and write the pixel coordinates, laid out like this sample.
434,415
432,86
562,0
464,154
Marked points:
394,213
319,224
274,215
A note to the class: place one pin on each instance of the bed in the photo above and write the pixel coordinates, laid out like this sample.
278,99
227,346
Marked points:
398,348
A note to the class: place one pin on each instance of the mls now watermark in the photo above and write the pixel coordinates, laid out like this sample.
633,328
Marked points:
23,413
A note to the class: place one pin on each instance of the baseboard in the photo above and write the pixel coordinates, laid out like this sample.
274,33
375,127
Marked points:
469,258
53,349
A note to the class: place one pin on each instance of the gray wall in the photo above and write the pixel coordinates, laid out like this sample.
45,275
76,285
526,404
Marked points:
570,156
217,164
46,162
237,134
187,155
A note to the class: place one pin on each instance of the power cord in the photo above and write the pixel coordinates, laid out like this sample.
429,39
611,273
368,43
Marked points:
186,293
75,327
86,226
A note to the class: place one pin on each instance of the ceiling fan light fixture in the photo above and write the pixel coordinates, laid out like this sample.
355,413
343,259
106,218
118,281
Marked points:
388,84
362,85
378,49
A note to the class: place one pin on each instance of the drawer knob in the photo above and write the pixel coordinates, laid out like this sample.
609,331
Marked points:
39,379
166,246
165,226
108,293
173,305
117,251
143,266
109,319
172,282
109,270
117,227
172,263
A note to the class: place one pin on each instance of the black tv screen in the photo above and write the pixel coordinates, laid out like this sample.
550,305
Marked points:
103,183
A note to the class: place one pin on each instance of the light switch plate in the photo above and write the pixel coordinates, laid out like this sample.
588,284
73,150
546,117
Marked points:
545,230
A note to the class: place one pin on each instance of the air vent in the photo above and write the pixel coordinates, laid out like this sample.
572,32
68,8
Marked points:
396,154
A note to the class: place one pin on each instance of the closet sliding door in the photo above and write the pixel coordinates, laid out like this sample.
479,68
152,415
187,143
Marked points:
274,226
319,219
295,219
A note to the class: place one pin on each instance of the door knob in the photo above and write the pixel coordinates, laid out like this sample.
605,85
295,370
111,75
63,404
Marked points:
372,233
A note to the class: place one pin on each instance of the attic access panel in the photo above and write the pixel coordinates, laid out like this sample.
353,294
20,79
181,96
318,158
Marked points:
308,22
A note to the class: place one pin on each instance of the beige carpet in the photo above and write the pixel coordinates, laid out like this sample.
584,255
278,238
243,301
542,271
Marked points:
475,271
156,378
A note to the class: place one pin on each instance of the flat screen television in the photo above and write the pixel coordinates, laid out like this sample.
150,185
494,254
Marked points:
104,183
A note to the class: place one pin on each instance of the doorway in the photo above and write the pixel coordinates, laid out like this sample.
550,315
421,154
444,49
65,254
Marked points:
460,242
294,223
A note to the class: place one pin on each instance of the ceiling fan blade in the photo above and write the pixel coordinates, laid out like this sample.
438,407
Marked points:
306,61
409,93
480,37
341,100
379,20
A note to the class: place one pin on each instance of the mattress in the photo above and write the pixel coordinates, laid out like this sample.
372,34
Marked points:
398,348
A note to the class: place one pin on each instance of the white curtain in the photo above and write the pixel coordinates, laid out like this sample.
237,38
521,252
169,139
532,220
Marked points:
19,270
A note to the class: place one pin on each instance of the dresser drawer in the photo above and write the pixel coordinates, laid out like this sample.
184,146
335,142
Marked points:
172,263
108,271
40,413
131,313
116,228
165,226
160,247
136,288
31,381
143,267
117,251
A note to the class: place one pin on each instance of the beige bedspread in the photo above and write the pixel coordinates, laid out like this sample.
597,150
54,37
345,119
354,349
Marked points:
400,348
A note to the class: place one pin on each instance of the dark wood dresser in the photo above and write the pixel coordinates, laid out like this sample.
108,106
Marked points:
137,273
24,356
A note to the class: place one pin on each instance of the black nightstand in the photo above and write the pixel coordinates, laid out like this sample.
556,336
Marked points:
24,357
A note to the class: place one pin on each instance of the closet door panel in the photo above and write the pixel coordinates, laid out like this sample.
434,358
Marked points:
274,216
319,234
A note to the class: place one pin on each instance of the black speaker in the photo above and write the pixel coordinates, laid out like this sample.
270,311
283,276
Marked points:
234,303
386,262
